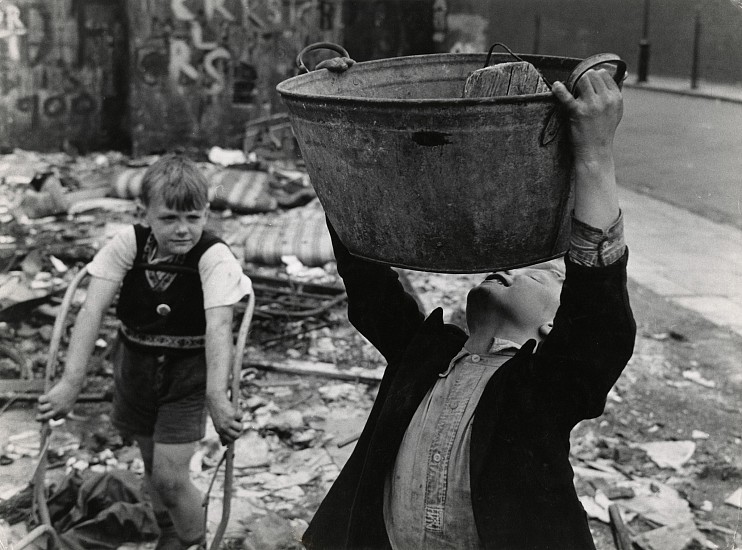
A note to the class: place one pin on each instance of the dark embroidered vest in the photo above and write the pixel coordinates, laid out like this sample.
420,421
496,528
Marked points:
172,317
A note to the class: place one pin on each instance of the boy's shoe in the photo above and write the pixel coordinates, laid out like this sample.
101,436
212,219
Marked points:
169,539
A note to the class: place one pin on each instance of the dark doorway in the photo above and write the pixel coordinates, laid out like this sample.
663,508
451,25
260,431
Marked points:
104,42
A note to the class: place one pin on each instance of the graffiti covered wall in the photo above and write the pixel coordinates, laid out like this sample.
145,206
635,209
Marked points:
62,70
202,68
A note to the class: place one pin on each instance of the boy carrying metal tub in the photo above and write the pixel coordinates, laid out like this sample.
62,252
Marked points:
178,285
467,444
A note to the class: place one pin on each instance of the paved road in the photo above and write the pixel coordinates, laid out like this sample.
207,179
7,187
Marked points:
679,164
686,151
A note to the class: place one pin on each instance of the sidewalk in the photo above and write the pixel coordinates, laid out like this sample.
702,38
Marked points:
705,90
685,258
681,256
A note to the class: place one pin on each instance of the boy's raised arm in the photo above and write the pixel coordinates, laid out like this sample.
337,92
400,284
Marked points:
594,116
594,325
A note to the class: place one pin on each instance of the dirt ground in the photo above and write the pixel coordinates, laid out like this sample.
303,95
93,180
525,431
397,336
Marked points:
682,389
652,401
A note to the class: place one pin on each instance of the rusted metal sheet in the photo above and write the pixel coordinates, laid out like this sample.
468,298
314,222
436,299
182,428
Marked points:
62,65
202,68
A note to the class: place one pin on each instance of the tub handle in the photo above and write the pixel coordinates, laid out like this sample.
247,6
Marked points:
504,47
594,61
318,46
551,128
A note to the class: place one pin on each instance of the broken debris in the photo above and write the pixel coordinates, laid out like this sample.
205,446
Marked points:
669,454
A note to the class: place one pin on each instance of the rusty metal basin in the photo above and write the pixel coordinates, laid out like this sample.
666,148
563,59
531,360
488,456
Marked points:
413,175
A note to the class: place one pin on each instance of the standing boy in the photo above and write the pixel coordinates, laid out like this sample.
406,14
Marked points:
178,284
467,444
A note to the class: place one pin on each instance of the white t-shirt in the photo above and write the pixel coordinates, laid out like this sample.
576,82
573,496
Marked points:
222,279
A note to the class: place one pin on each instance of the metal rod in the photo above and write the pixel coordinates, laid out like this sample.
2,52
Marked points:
39,489
235,391
643,66
694,70
59,324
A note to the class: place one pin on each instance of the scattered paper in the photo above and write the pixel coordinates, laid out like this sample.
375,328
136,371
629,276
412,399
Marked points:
695,376
735,499
226,157
593,509
251,451
669,454
657,502
672,537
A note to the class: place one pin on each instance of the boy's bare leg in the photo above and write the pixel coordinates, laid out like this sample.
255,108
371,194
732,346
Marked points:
173,490
146,449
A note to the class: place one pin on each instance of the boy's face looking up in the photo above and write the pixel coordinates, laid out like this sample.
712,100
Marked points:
524,298
176,231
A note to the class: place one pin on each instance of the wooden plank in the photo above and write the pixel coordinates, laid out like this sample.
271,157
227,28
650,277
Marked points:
516,78
21,386
313,368
621,533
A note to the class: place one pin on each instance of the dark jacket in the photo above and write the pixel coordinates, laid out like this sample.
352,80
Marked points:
521,479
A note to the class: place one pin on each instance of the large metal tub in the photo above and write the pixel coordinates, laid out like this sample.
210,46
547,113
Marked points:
412,175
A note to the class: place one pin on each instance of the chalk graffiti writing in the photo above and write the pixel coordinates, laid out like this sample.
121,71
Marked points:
182,53
180,60
46,103
38,39
11,29
210,8
55,106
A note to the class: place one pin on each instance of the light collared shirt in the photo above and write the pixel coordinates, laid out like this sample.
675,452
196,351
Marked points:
427,497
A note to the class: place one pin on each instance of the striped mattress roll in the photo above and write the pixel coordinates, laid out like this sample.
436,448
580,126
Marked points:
127,182
242,191
300,232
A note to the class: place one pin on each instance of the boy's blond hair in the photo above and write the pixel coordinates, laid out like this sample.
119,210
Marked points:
178,181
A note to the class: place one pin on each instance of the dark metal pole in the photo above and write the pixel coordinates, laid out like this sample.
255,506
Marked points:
643,68
694,70
537,33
